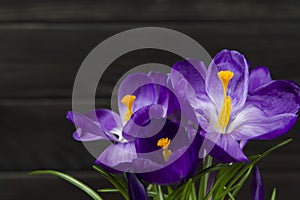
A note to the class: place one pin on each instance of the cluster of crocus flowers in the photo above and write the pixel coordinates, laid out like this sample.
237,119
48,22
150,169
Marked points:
225,104
164,156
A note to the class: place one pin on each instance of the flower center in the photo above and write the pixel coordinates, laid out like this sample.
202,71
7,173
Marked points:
164,144
128,101
224,116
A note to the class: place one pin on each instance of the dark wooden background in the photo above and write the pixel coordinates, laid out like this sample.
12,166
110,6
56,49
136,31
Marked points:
42,44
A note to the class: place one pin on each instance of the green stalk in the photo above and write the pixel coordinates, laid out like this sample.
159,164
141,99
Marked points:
273,197
160,195
204,179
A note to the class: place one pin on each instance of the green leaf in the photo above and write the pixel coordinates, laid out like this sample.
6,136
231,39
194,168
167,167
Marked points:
242,182
228,192
231,196
193,195
273,197
176,194
204,179
276,147
187,190
170,190
115,180
154,194
71,180
104,190
160,194
224,176
230,178
226,173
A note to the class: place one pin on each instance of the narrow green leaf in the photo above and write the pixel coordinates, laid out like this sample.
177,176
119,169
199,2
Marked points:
71,180
276,147
115,180
273,197
187,190
176,194
223,178
204,179
160,194
154,194
227,192
242,182
104,190
193,195
150,187
170,190
252,161
231,196
230,186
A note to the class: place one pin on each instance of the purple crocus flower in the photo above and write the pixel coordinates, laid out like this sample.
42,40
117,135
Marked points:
146,136
136,189
232,106
257,187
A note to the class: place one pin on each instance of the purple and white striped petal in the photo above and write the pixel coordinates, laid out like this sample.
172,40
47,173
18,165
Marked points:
89,129
118,157
224,147
238,86
252,123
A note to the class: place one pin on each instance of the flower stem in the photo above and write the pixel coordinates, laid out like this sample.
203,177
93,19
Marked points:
160,195
204,179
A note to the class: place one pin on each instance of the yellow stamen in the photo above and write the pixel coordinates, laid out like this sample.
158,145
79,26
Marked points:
128,101
224,116
164,144
225,77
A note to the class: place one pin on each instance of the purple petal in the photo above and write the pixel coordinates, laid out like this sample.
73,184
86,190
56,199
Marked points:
148,146
252,123
158,77
188,81
87,129
136,189
225,148
257,188
258,77
118,157
243,143
129,85
193,71
238,86
181,165
145,122
107,119
145,95
277,97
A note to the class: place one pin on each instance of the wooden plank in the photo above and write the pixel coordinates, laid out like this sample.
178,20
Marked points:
41,60
150,10
36,134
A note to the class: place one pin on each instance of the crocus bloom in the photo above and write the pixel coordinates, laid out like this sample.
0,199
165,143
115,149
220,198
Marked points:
231,105
257,187
136,189
143,100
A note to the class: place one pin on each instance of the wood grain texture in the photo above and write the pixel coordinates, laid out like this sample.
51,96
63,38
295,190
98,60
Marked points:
41,60
148,10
